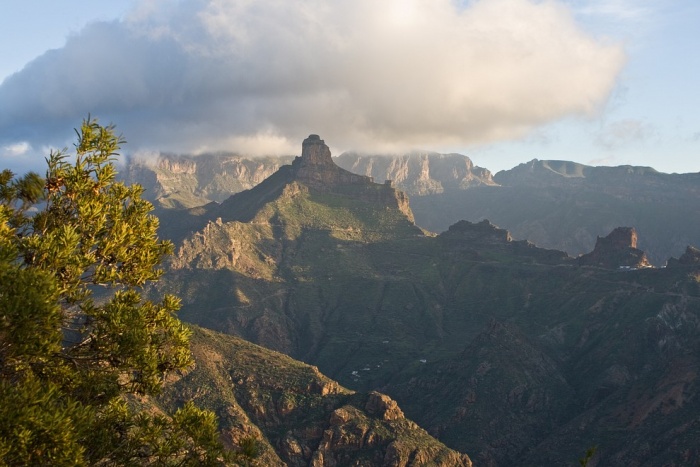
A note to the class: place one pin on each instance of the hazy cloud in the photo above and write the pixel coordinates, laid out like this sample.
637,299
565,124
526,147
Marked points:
622,132
259,76
15,149
618,10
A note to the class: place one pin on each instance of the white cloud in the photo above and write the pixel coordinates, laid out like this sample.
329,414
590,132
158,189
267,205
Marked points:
205,75
15,149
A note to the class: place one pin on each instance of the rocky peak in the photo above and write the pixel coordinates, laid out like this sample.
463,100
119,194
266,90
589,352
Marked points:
691,257
483,232
316,168
616,250
618,239
315,152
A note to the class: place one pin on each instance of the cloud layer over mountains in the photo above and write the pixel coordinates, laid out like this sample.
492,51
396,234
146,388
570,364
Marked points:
258,76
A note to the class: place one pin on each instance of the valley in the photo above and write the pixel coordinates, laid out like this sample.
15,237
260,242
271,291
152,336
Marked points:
501,349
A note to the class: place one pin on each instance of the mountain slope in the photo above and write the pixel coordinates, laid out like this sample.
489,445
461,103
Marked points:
332,271
563,205
299,416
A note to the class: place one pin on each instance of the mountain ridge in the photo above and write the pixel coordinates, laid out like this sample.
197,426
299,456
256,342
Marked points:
297,415
555,204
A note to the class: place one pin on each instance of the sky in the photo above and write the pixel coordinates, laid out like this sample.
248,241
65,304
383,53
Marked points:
600,82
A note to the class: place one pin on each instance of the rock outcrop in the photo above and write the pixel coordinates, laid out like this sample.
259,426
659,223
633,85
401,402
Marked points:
618,250
482,240
316,169
483,232
690,257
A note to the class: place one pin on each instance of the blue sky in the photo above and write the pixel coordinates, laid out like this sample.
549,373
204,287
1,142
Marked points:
503,81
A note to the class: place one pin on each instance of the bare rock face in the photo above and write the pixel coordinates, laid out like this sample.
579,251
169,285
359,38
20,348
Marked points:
419,173
383,406
181,181
315,152
316,168
617,250
620,238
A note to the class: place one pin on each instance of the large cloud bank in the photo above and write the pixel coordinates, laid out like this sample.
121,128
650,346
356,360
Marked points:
258,76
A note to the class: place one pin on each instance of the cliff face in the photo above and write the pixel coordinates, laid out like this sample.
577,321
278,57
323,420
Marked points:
173,181
419,173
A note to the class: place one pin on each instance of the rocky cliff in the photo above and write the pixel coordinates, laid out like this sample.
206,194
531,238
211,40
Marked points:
555,204
419,173
181,181
316,169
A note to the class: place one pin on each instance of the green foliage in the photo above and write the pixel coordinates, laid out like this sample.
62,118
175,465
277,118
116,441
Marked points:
75,335
590,452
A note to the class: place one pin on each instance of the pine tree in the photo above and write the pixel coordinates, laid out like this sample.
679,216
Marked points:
76,337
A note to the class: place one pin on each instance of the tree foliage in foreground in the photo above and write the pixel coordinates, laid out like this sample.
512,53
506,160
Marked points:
75,335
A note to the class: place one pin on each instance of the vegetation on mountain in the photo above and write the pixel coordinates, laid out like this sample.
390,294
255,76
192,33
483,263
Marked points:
76,337
510,352
296,415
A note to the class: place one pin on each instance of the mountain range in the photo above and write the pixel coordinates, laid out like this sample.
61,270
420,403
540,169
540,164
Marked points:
512,353
554,204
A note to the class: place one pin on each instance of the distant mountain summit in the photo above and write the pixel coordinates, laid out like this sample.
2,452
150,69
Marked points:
566,205
316,171
312,194
419,173
616,250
